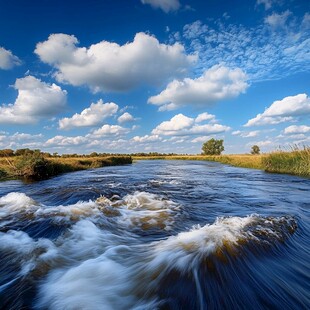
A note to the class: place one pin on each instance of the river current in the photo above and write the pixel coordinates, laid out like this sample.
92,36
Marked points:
156,235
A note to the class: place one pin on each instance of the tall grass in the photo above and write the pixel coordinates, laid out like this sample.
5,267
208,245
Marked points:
36,166
296,161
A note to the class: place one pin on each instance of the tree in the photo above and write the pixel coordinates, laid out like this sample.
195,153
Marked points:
255,150
213,147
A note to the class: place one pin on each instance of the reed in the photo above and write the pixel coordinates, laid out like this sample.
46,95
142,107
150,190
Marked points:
296,161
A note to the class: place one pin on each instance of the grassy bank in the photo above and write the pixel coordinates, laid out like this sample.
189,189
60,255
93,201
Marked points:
36,166
242,160
295,162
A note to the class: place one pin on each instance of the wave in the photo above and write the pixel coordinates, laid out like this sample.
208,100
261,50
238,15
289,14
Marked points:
91,268
141,210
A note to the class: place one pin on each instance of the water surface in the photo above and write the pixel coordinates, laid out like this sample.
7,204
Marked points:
156,235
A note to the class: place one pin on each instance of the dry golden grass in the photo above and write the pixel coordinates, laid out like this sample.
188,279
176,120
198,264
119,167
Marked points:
238,160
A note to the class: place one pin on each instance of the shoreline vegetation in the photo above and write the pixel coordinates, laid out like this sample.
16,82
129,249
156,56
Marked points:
37,165
295,162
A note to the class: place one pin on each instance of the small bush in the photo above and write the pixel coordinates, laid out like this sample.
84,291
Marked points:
32,165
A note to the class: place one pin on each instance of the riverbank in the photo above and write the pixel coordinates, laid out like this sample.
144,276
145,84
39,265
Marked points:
36,166
296,162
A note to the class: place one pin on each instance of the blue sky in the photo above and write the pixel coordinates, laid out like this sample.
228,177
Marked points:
154,75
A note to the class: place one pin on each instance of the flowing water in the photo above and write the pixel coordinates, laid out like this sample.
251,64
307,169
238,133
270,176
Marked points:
156,235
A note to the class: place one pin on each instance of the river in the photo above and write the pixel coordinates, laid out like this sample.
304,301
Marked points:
156,235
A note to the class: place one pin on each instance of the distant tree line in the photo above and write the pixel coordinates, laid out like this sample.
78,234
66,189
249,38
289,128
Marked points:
27,151
210,147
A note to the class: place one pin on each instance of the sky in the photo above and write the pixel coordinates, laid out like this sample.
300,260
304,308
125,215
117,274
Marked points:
128,76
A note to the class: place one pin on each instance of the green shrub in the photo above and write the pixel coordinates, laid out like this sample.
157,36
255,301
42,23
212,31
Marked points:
32,165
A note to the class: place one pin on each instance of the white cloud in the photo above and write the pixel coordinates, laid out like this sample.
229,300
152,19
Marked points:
92,116
201,139
283,110
35,100
278,20
146,138
126,117
183,125
244,134
25,136
8,60
107,66
261,143
204,117
292,136
260,51
66,141
217,83
250,134
296,129
165,5
236,132
176,123
20,140
108,130
208,129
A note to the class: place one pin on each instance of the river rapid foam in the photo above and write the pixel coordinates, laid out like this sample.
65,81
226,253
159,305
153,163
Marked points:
91,266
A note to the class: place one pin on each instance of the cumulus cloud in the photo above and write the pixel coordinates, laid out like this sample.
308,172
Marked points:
147,138
35,100
200,139
92,116
176,123
125,117
20,140
183,125
66,141
204,117
108,66
21,136
278,20
165,5
217,83
294,129
287,109
8,60
108,130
